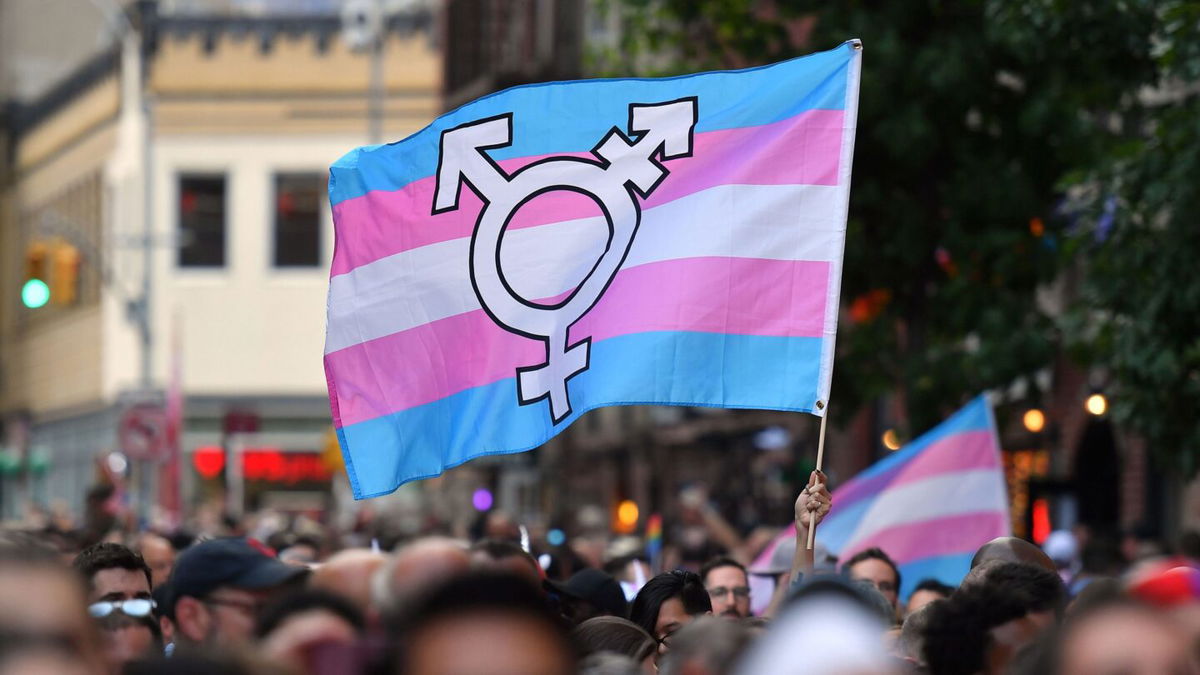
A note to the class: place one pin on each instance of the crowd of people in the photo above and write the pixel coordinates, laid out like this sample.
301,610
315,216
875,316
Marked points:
151,604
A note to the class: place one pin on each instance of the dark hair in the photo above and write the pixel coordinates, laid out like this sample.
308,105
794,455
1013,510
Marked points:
956,635
873,554
106,556
499,549
862,593
613,634
305,600
478,592
1036,589
687,586
721,561
934,586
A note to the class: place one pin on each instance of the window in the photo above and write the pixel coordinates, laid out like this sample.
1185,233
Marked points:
202,220
298,201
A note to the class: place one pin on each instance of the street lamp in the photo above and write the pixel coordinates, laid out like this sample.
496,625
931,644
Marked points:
1035,420
1096,404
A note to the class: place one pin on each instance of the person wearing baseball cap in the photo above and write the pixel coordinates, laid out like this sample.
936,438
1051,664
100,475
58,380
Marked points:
590,593
218,587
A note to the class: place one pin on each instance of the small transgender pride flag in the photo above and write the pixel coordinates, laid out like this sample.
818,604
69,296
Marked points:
929,505
558,247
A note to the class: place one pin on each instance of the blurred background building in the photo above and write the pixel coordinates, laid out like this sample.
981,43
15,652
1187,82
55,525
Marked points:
163,169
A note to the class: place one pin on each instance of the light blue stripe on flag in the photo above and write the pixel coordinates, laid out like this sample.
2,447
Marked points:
561,117
671,368
948,569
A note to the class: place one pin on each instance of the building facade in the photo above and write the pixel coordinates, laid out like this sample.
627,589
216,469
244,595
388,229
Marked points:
200,144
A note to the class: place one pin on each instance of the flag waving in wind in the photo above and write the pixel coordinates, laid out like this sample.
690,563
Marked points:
929,506
554,248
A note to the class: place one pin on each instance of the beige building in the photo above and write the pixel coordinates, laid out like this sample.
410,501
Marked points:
220,129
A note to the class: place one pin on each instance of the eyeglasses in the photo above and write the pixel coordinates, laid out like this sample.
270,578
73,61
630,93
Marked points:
721,591
138,607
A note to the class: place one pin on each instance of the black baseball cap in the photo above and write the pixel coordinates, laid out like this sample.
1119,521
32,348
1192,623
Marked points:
228,561
596,587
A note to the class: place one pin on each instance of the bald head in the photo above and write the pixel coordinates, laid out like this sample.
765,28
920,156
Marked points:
348,574
416,567
1012,549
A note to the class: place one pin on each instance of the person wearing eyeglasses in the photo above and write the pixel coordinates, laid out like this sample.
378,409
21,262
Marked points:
728,587
118,583
218,587
876,567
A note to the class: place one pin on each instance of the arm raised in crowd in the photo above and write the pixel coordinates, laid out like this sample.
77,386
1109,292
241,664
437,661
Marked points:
812,505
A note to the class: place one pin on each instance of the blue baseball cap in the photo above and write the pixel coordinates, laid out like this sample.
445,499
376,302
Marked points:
227,561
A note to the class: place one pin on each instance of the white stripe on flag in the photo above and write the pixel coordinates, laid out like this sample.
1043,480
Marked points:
949,494
402,291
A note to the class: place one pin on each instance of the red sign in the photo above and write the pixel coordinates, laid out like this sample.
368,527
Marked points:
265,464
275,466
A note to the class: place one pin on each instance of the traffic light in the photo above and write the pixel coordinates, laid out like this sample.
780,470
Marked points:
51,274
35,292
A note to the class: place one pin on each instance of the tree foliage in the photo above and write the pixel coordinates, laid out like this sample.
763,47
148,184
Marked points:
1137,235
971,115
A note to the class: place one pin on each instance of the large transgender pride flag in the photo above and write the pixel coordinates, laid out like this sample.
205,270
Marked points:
929,506
491,281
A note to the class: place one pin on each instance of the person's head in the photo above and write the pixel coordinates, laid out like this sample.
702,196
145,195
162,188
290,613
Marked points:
926,592
911,642
119,583
728,587
1120,636
348,573
669,602
1039,592
43,602
505,556
614,634
979,629
826,626
218,587
297,622
482,622
590,593
706,646
114,574
875,566
1012,549
159,555
415,568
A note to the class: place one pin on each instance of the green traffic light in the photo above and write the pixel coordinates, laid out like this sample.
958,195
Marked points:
35,293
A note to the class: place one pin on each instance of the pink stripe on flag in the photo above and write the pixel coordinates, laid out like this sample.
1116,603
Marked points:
800,150
937,537
959,452
713,295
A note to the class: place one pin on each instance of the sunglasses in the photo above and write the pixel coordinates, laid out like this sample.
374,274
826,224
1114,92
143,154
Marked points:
137,607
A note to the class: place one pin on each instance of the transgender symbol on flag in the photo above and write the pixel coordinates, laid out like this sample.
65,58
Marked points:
621,168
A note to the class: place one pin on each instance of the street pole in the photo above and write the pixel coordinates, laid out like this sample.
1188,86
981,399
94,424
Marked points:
375,103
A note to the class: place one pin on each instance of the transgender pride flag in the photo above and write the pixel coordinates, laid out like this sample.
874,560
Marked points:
929,505
554,248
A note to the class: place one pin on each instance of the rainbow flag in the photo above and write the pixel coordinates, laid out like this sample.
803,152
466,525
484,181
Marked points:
929,505
558,247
